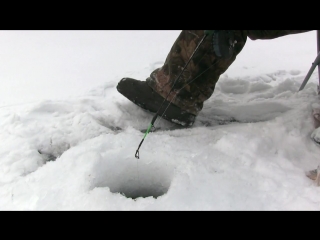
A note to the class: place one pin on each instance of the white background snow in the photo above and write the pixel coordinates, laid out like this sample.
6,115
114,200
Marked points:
68,138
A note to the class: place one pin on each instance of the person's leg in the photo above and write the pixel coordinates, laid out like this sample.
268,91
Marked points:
187,97
205,69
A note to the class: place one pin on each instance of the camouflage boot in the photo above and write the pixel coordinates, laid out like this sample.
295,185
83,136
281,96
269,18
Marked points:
195,85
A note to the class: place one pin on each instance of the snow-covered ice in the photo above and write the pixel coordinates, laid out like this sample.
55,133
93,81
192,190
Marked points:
68,138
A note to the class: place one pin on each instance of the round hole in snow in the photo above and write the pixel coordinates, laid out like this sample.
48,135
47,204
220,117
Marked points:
134,180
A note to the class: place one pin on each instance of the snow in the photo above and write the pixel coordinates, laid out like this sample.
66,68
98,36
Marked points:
68,138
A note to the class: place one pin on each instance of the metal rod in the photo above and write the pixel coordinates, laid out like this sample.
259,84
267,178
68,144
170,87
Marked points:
314,65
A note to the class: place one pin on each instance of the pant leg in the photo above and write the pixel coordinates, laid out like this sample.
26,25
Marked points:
271,34
205,67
